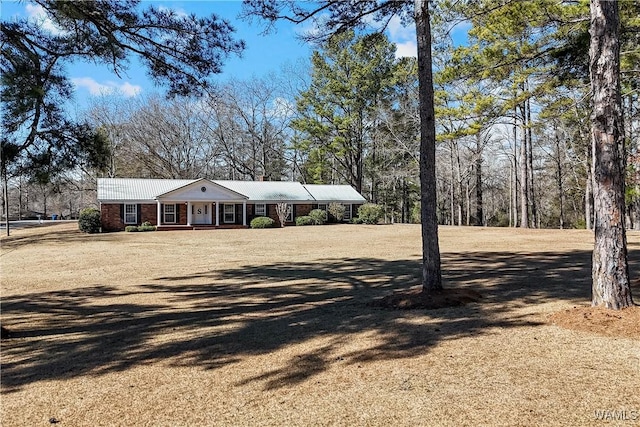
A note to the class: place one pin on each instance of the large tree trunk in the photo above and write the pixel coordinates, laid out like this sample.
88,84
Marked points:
610,266
431,274
514,188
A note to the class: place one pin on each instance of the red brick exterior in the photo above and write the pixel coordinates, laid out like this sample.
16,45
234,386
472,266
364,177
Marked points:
113,214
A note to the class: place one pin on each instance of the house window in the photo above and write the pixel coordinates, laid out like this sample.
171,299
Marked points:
289,217
130,214
347,212
322,206
169,214
229,213
261,209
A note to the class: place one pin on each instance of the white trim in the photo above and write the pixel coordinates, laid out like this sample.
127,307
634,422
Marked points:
224,211
217,214
135,213
323,206
244,213
189,207
165,213
264,209
159,213
289,217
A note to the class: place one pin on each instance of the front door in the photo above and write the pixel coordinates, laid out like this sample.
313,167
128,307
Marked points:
201,213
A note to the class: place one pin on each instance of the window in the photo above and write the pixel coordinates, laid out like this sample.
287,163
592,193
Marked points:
229,213
130,214
261,209
169,214
289,213
322,206
347,212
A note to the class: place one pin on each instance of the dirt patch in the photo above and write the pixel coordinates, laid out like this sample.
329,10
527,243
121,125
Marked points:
601,321
415,298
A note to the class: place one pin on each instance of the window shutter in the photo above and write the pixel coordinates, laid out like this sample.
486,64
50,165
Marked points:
122,212
139,214
161,214
177,209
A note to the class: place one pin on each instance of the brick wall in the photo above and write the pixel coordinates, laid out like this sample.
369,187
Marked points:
110,216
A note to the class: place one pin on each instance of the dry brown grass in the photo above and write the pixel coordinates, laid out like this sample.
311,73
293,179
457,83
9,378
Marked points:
274,327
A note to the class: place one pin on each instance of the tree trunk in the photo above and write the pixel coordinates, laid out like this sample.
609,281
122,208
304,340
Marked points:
530,186
559,175
479,204
452,187
524,179
588,198
610,265
514,194
431,274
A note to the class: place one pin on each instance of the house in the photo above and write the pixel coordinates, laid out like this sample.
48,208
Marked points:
202,203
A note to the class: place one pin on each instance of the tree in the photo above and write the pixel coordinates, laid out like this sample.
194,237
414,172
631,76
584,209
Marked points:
611,287
334,16
178,51
350,77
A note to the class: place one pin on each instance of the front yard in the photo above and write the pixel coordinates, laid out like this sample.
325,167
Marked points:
274,327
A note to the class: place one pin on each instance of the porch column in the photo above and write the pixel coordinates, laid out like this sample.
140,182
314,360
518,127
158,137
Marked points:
159,213
188,213
217,215
244,213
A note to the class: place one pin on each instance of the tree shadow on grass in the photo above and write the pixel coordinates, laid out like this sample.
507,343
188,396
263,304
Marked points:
212,319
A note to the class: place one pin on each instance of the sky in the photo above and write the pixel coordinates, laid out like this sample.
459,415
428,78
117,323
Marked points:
263,53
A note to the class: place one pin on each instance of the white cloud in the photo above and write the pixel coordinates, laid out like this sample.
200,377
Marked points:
403,36
38,14
125,89
406,49
179,12
398,32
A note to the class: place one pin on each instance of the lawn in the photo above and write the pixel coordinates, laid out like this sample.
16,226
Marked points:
276,327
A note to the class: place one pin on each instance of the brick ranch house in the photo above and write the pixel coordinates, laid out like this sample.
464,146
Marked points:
172,204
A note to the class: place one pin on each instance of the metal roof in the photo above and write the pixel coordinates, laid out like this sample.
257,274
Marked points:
334,193
138,189
269,191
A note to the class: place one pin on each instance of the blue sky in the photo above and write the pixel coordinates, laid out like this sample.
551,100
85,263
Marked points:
263,53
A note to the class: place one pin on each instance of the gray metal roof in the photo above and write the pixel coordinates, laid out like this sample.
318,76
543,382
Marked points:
269,191
138,189
334,193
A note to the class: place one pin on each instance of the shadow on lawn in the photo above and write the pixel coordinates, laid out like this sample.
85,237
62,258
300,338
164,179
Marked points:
254,310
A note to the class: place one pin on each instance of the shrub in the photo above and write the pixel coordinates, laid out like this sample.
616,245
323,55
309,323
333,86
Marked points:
89,220
146,226
304,220
131,228
319,216
336,210
370,213
262,222
356,220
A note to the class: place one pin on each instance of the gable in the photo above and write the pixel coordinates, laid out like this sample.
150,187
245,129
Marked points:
201,190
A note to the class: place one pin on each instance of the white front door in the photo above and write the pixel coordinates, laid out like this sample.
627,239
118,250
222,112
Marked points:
201,213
